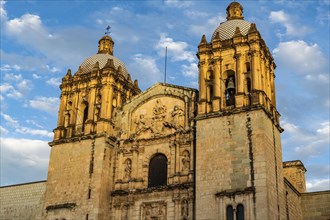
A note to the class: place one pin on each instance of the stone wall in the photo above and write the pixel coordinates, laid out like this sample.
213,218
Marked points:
21,201
292,201
316,205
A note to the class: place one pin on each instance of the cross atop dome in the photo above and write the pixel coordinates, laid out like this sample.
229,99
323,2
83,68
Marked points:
234,11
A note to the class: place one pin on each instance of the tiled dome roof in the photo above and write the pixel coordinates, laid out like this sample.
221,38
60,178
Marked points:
89,63
227,29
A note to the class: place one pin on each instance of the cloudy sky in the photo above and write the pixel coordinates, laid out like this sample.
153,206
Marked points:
40,40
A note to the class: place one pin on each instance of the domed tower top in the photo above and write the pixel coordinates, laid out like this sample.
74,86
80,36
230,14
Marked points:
234,11
106,44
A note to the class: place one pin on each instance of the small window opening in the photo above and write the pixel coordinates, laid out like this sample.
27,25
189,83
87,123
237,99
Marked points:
240,212
230,213
248,67
210,93
85,117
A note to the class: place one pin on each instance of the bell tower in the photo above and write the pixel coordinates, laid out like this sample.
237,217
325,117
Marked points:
81,161
238,148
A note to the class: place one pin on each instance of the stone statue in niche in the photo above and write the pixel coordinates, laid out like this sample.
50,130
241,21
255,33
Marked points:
184,209
67,119
128,169
185,161
177,116
154,211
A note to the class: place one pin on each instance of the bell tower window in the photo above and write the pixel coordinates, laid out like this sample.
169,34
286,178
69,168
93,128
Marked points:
230,90
230,213
158,171
240,212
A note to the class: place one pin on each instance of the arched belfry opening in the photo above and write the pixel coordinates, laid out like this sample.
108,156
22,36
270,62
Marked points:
84,111
230,91
157,171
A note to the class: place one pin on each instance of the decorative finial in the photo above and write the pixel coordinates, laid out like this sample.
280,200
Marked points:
108,30
234,11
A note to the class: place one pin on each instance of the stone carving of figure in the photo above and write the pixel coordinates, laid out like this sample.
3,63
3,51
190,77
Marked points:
177,115
184,209
141,124
128,169
185,161
159,108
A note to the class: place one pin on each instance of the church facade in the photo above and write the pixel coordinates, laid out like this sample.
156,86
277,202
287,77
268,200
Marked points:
172,152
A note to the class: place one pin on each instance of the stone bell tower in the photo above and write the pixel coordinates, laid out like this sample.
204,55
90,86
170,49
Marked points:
80,167
238,147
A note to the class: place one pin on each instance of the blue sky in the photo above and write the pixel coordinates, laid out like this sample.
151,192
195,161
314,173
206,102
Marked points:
40,40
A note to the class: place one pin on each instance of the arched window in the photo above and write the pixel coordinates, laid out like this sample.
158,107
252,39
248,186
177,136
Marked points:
230,213
158,171
85,116
240,212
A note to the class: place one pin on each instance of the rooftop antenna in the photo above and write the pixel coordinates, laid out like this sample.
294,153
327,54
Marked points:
108,30
165,64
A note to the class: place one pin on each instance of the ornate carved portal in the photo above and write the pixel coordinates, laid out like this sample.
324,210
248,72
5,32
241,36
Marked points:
161,122
153,211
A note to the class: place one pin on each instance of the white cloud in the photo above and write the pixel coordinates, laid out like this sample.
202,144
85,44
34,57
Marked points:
208,27
22,86
292,29
7,67
145,69
36,132
52,69
13,123
300,57
177,50
27,22
12,77
190,71
46,104
178,3
3,131
29,121
36,76
55,82
25,152
10,121
60,47
3,13
307,144
318,185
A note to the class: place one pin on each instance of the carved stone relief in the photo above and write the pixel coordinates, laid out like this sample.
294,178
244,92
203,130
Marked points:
153,211
160,121
184,209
